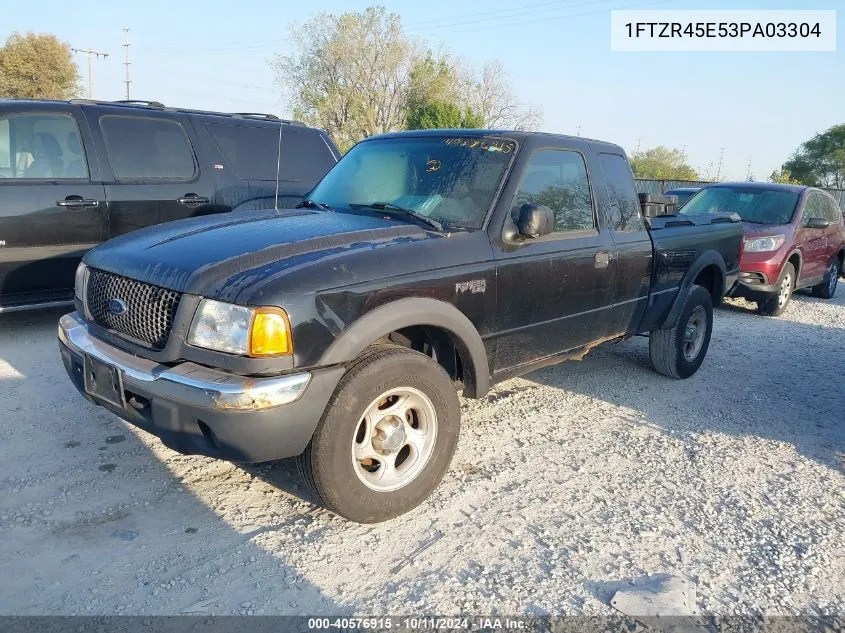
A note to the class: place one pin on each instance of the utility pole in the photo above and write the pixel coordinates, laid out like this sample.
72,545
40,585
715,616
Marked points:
684,153
721,160
126,62
748,173
91,54
578,131
639,142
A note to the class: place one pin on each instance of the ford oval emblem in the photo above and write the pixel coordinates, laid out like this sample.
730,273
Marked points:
116,307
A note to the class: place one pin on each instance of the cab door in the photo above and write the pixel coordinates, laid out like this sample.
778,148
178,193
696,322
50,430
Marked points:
52,207
553,291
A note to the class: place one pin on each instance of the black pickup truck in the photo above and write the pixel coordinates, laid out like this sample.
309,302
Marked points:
423,261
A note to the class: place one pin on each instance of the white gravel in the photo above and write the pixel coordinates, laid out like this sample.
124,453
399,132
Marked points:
567,485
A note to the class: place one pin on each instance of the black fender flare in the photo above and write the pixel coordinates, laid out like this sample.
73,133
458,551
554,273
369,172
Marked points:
409,312
707,258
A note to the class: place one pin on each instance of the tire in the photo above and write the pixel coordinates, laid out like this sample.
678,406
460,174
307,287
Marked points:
346,462
776,304
678,352
827,288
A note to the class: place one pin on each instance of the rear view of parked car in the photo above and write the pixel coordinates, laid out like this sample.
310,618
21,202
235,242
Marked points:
76,173
794,238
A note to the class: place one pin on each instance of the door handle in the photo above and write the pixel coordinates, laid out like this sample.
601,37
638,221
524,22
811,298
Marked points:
190,199
77,203
603,259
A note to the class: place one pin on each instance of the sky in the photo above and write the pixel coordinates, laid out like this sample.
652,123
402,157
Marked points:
216,55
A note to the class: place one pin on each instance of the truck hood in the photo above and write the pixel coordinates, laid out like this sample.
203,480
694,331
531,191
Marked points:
207,255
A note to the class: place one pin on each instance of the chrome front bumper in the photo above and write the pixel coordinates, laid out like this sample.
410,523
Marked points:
221,390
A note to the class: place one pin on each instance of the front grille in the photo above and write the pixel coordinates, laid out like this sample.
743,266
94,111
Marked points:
148,310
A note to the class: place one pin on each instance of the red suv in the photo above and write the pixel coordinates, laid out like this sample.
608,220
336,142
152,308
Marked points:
794,238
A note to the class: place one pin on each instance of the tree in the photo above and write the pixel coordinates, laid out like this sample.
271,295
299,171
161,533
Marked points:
357,74
783,176
349,74
489,93
820,162
662,163
37,66
438,115
433,100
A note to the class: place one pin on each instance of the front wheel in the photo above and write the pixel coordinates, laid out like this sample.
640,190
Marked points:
678,352
776,304
386,438
827,288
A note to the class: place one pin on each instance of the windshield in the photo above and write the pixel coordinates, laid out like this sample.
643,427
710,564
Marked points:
759,206
450,179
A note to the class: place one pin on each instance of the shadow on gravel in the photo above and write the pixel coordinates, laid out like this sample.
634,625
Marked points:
773,378
94,522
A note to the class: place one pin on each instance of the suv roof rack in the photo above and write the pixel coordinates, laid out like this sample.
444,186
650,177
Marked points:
142,102
158,105
257,115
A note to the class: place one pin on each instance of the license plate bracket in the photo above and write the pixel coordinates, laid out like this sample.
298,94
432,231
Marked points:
104,382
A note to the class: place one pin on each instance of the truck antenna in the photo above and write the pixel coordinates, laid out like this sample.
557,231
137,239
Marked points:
278,166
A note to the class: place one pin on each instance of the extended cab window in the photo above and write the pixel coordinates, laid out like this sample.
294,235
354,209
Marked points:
624,211
36,146
558,179
146,148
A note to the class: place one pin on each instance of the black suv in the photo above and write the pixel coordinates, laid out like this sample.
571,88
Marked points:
76,173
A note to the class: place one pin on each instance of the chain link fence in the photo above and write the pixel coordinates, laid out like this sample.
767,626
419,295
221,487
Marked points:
647,185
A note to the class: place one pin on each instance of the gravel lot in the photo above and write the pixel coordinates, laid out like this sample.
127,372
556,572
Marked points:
567,484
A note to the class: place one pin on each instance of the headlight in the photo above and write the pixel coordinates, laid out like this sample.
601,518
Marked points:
80,281
234,329
763,244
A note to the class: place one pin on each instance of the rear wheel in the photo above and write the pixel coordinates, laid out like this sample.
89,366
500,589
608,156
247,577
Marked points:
776,304
678,352
827,288
386,438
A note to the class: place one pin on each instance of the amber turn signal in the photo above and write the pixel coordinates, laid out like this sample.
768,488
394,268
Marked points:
269,334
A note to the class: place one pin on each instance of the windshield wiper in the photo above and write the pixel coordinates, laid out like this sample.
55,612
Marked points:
396,209
310,204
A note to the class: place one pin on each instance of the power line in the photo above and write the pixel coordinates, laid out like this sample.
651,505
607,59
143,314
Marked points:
91,54
126,62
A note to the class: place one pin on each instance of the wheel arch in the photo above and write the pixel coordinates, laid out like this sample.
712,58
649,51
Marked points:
434,316
708,271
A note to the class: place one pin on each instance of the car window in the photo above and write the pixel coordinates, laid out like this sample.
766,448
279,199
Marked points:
305,155
814,207
558,179
624,212
147,148
833,212
252,151
39,146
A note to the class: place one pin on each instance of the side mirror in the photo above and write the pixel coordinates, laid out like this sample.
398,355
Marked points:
818,223
535,220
